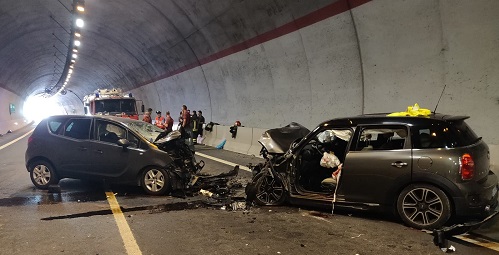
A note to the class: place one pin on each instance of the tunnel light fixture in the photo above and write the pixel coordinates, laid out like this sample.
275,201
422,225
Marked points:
77,23
80,22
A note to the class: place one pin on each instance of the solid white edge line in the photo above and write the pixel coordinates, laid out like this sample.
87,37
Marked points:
223,161
15,140
131,246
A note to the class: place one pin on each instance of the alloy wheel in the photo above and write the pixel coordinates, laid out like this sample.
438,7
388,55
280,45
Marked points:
154,180
269,191
422,206
41,175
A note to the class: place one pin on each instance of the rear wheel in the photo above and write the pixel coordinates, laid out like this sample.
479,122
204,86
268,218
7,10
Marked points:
155,181
42,174
269,191
423,206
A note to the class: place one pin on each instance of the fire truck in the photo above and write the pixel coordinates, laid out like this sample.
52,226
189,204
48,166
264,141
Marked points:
111,102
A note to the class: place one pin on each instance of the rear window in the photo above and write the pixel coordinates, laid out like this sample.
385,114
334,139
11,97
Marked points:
464,134
54,125
457,134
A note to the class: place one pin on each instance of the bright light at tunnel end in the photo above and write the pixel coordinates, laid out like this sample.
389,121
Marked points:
37,108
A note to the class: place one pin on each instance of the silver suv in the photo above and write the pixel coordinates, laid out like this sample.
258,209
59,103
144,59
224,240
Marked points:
427,168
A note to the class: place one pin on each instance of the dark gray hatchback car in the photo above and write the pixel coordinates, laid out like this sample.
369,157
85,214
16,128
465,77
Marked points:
97,147
427,168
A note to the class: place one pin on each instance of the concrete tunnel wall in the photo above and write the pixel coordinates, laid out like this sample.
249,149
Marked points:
379,57
8,120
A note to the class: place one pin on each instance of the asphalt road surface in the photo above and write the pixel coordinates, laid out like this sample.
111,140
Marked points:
97,218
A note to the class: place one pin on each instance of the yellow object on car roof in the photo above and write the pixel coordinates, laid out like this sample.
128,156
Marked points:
413,111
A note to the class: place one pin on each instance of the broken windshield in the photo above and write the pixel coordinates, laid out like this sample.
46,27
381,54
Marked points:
146,130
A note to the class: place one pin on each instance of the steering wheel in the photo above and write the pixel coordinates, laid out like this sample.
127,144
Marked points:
317,146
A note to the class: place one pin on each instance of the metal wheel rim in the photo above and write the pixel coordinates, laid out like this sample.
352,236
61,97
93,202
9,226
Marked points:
422,206
154,180
269,192
41,174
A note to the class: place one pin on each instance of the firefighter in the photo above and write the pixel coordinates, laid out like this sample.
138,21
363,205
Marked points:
160,120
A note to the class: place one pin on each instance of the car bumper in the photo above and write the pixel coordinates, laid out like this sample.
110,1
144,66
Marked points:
479,204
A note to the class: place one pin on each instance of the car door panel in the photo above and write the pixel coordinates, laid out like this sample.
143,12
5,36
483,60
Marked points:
368,177
73,148
380,161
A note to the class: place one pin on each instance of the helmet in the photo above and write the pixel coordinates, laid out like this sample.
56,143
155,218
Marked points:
237,123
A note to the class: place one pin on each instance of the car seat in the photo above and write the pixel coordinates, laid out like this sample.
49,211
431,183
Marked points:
110,137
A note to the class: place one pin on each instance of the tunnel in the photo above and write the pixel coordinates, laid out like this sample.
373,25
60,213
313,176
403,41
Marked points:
264,63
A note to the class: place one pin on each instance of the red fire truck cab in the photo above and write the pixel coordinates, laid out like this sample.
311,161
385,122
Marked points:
111,102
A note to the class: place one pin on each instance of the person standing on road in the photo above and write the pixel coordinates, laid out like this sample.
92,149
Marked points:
186,122
160,120
168,122
194,126
147,116
201,122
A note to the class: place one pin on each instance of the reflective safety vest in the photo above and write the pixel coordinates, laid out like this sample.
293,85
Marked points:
160,122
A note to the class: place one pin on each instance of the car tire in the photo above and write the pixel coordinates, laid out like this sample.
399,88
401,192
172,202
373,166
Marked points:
42,174
155,181
268,191
424,206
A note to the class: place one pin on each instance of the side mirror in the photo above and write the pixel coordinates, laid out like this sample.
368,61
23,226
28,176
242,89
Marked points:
85,109
142,108
124,143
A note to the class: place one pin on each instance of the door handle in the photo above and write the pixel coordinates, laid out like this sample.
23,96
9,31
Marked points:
399,164
81,148
99,151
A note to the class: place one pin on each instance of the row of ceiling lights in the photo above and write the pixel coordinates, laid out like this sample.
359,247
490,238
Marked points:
75,38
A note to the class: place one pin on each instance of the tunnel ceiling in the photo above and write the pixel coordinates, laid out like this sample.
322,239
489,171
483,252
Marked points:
127,43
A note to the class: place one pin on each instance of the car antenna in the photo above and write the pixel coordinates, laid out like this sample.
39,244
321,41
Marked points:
441,94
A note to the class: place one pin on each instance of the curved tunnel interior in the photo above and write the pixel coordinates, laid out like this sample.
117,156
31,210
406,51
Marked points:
265,63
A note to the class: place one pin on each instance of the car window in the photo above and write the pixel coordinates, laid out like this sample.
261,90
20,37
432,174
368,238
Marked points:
134,141
109,132
78,128
54,125
382,139
335,140
464,134
146,130
434,137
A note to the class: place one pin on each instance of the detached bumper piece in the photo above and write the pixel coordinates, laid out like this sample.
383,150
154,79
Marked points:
441,235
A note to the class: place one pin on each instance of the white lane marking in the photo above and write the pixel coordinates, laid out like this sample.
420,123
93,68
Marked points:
479,241
223,161
126,233
15,140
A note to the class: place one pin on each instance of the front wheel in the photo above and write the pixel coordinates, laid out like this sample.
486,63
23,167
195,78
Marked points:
423,206
42,174
269,191
155,181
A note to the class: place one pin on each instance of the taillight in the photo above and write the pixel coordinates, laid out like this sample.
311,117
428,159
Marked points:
467,167
30,139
